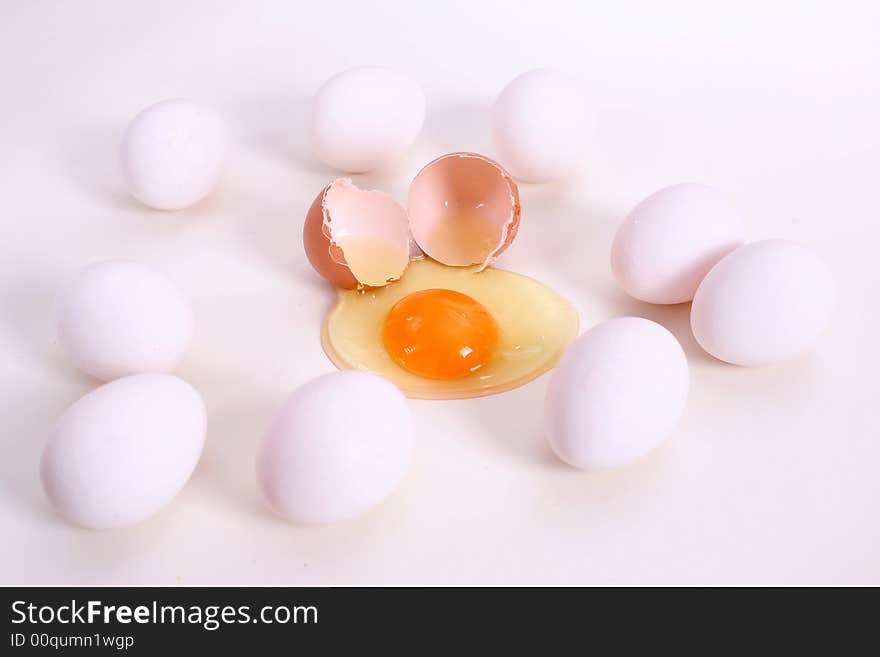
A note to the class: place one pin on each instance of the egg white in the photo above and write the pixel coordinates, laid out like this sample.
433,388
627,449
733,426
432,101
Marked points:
536,325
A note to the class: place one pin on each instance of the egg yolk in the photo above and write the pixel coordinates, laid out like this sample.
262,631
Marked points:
440,334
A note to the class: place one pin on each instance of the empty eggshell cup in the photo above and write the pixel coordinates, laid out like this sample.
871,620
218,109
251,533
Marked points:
356,238
463,210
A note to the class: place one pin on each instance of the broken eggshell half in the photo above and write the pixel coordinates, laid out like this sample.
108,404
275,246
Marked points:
464,210
356,238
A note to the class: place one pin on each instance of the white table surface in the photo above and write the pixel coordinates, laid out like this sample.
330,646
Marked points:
772,474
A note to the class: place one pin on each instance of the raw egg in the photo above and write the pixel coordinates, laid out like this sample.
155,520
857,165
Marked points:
338,447
764,303
365,117
451,332
121,317
540,125
173,153
670,241
616,394
124,450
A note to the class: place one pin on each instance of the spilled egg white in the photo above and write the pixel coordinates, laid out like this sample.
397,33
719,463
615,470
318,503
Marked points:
124,450
339,446
764,303
535,326
616,394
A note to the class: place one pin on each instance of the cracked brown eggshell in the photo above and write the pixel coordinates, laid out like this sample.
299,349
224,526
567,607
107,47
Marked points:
464,210
356,238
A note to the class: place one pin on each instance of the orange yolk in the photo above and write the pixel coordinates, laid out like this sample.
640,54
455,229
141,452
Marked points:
440,334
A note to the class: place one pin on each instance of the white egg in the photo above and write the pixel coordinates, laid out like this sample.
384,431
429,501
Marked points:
671,240
365,117
616,394
764,303
339,446
124,450
173,154
540,125
121,317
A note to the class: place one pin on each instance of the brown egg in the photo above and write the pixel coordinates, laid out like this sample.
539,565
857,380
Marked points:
317,246
464,210
356,238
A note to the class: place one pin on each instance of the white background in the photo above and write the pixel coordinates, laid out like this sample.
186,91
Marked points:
772,474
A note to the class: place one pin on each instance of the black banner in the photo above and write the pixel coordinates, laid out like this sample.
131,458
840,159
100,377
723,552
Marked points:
155,621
